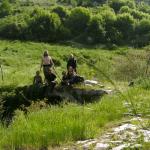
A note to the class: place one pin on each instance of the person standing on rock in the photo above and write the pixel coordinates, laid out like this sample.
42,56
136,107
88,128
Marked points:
46,63
72,62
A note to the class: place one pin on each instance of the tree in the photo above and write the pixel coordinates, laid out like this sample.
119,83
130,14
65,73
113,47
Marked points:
117,4
96,29
45,27
142,33
62,12
78,20
125,25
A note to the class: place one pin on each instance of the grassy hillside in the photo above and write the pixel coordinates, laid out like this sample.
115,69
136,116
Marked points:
50,126
20,60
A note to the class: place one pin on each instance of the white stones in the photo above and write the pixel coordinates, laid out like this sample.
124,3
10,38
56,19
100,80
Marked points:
87,145
101,146
120,147
124,136
146,134
137,119
116,142
83,142
125,127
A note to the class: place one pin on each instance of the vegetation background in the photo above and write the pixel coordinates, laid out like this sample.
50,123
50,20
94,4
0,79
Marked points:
109,38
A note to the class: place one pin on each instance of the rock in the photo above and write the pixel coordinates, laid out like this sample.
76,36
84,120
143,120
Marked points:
125,127
101,146
146,134
120,147
136,146
83,142
87,145
116,142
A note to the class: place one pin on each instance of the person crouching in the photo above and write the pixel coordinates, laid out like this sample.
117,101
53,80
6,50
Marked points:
51,79
37,80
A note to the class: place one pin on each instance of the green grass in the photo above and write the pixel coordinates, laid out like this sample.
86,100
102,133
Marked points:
67,123
58,125
20,60
55,125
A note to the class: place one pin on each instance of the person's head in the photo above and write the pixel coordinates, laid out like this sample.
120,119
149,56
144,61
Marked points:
45,53
37,73
70,70
71,55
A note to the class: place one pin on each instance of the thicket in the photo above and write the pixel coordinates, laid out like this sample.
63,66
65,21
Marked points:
119,22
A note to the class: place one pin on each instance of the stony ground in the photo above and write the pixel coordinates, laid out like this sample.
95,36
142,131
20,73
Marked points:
128,135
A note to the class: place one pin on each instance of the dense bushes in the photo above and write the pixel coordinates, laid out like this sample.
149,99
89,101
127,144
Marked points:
5,8
45,27
120,22
78,20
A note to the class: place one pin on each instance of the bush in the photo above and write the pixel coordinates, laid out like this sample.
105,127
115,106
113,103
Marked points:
5,8
109,19
117,4
44,27
13,27
78,20
142,33
125,9
139,15
62,12
125,25
96,29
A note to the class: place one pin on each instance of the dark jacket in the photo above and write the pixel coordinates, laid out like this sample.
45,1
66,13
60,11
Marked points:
72,62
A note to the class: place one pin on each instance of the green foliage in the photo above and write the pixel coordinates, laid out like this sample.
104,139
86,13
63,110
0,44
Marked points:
5,8
96,29
56,125
125,9
14,27
125,25
44,27
61,11
117,4
78,20
142,33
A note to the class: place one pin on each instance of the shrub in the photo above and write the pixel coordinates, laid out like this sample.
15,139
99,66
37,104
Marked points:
109,18
117,4
5,8
125,25
13,27
142,33
78,20
125,9
62,12
44,27
96,29
139,15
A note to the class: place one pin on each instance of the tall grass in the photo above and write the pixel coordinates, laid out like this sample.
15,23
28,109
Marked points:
58,125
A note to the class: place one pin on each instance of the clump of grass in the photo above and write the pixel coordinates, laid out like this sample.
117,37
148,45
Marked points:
57,125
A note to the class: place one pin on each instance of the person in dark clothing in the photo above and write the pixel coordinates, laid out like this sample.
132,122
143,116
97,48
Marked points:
64,80
71,77
37,79
50,78
72,62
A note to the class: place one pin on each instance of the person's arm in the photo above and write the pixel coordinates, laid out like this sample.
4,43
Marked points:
34,80
41,80
51,62
75,63
41,64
